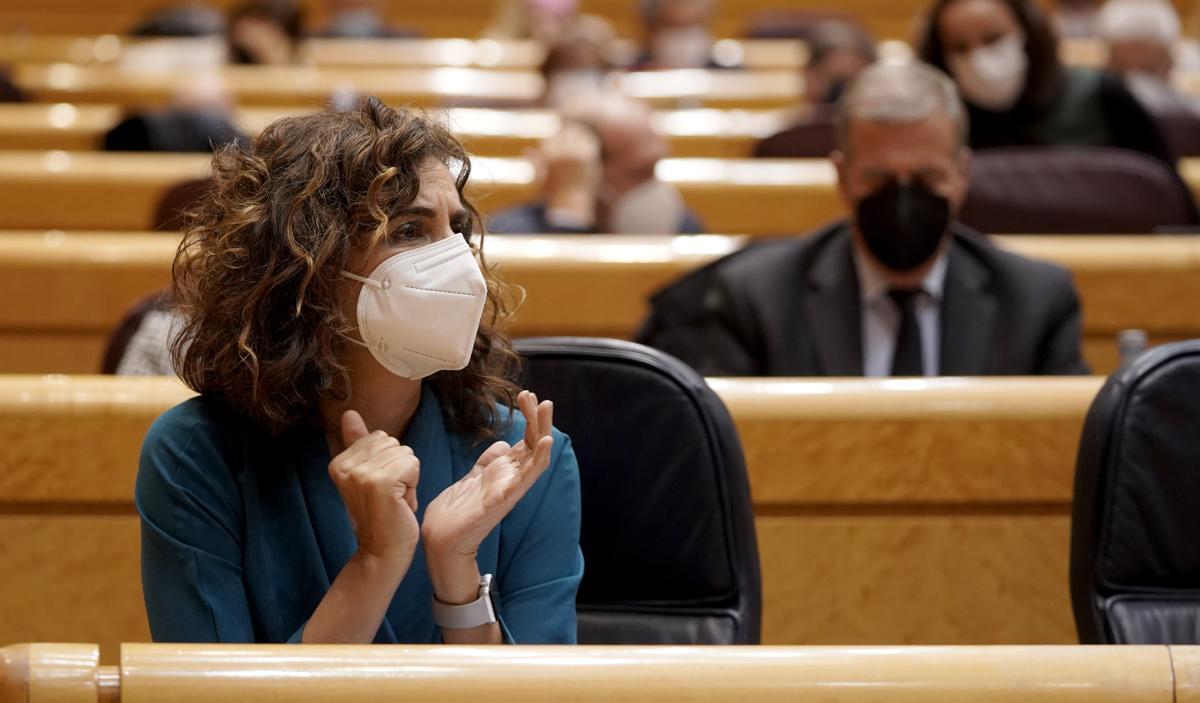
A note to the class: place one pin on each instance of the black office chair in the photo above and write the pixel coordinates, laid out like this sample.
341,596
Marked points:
1135,532
668,531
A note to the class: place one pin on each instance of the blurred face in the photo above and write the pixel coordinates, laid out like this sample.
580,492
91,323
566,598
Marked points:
1144,56
259,40
683,13
824,81
630,151
967,25
879,154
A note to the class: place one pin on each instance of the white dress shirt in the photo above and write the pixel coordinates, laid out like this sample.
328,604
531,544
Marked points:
881,318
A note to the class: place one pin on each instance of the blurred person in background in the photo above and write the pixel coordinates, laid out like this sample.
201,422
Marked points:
183,20
1003,55
198,119
578,60
837,52
359,19
598,175
540,20
1077,19
899,288
1142,36
678,34
265,32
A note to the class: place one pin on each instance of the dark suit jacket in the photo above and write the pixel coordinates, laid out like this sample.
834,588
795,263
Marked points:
531,219
792,308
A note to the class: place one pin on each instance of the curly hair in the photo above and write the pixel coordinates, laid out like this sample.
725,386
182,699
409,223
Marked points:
257,275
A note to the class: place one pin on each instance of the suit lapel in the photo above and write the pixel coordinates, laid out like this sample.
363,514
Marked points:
834,310
968,316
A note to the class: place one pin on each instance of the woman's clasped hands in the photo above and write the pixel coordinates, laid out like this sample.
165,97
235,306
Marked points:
377,478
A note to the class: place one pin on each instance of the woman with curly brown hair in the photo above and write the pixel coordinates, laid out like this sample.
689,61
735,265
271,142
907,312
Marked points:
355,459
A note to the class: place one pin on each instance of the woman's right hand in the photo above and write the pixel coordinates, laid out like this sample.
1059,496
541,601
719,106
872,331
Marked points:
377,479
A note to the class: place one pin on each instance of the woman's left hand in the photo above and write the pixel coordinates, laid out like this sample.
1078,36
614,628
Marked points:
458,520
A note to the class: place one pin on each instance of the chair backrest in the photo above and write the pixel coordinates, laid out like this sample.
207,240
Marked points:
812,138
668,529
1135,531
168,216
1074,190
1182,131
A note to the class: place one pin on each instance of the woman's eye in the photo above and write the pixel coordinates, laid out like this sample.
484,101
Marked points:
463,227
406,231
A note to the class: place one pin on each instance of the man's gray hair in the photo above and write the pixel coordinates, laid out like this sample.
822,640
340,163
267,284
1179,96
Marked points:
900,92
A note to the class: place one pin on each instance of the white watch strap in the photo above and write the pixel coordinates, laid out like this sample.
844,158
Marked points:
480,611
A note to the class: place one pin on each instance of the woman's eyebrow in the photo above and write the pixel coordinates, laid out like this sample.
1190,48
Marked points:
414,210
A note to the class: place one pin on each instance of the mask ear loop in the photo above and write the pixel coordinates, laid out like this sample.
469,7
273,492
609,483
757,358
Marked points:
381,285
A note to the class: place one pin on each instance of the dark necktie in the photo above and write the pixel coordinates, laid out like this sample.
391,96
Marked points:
908,359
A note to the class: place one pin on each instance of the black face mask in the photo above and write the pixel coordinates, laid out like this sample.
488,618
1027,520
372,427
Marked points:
835,90
902,225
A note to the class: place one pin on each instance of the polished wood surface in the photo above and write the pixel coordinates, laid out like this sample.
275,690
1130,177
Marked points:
212,674
312,86
96,277
487,132
96,190
463,18
275,85
50,673
479,53
889,512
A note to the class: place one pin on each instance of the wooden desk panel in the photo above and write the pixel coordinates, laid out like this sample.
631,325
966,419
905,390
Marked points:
118,191
216,674
885,531
271,85
312,86
92,279
692,133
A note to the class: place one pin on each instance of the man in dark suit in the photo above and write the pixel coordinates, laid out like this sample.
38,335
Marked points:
899,289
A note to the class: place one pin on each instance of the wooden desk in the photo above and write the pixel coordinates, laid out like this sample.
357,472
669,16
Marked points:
276,85
180,673
465,18
888,512
90,280
703,133
119,191
308,85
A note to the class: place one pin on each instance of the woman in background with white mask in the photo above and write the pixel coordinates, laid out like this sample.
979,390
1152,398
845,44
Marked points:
1003,55
359,465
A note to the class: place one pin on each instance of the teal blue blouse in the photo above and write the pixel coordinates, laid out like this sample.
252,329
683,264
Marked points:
242,533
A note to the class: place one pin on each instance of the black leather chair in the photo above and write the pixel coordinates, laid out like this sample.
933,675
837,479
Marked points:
668,531
1042,190
1135,532
811,138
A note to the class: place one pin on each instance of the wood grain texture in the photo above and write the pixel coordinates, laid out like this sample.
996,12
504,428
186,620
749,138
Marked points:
71,578
916,579
316,674
1185,661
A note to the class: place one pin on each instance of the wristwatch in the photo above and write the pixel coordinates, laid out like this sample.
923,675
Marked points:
481,611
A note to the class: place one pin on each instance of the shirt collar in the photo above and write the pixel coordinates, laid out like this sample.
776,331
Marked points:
872,286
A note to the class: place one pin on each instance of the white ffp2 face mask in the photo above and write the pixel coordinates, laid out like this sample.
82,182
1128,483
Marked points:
419,311
993,76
